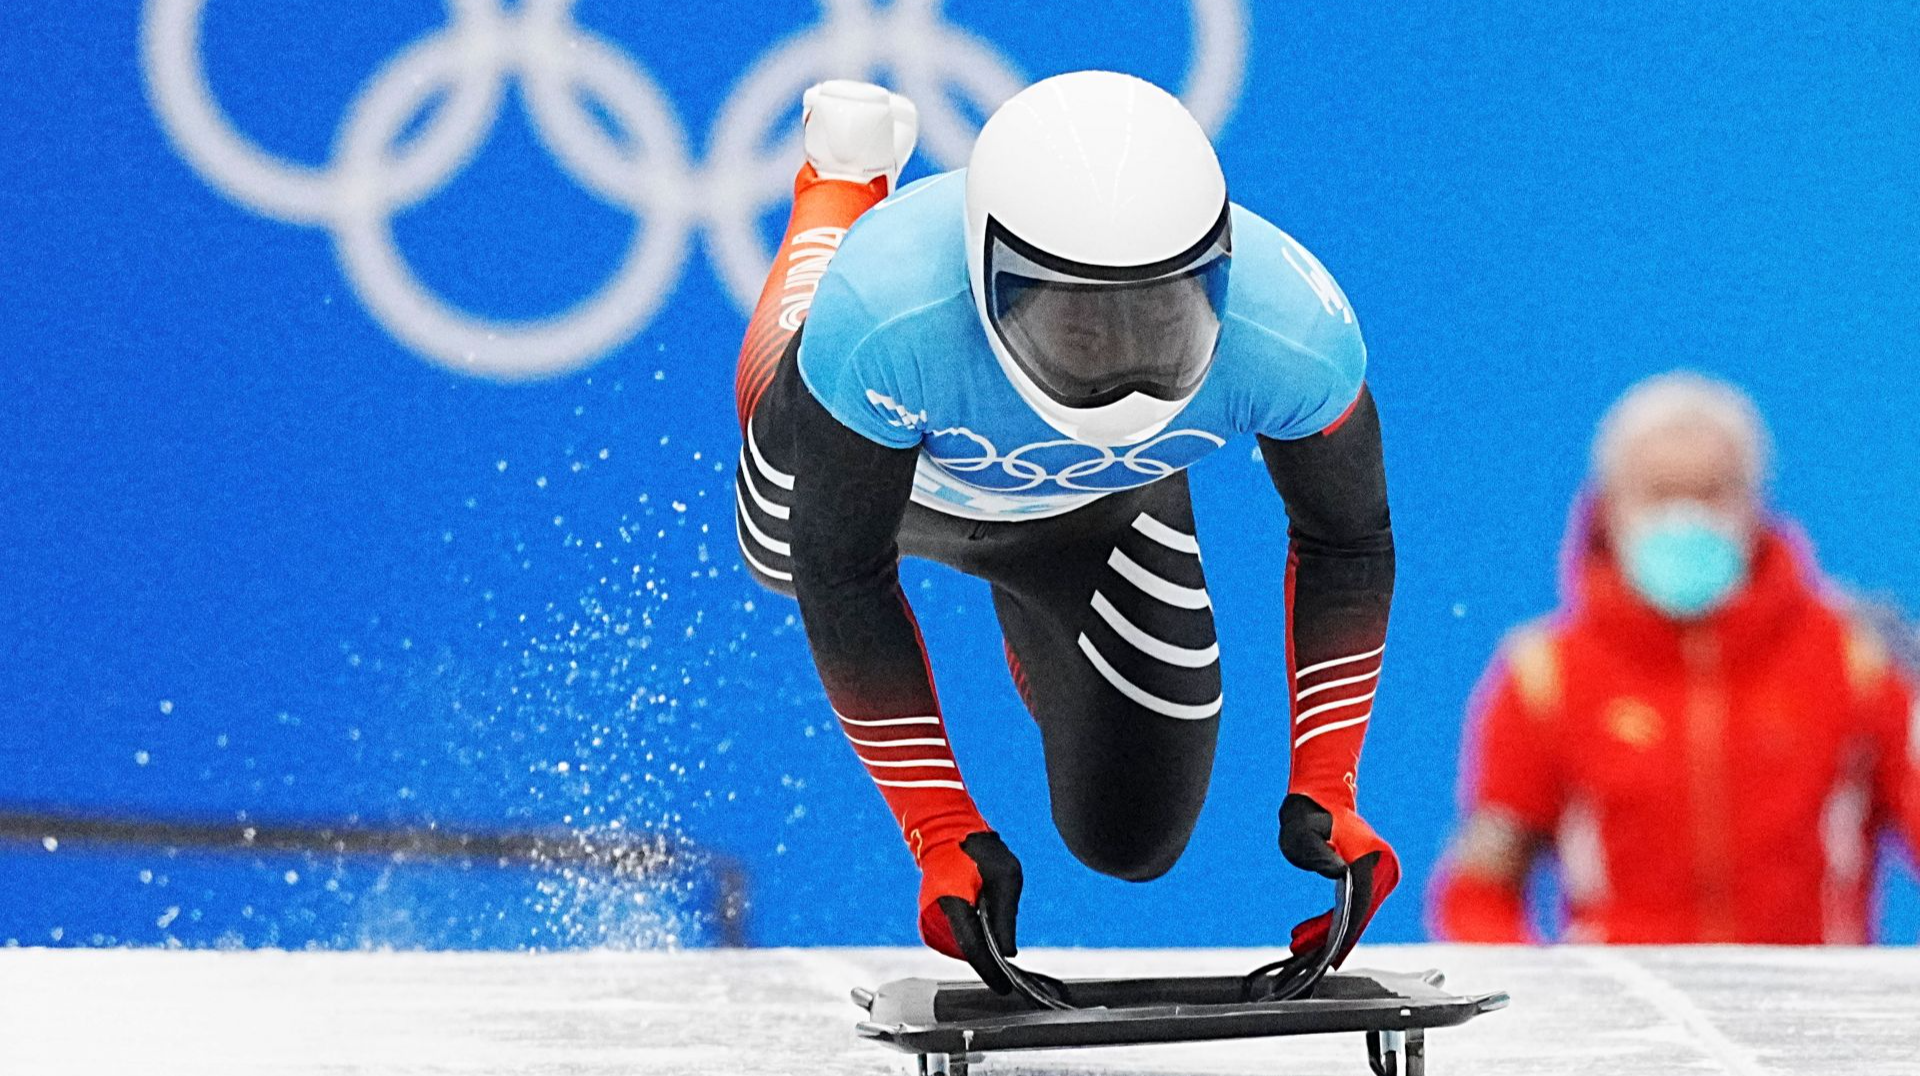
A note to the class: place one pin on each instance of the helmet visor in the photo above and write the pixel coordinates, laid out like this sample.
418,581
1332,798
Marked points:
1089,335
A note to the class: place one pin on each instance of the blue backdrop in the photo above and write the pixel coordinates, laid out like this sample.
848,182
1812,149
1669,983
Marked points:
270,550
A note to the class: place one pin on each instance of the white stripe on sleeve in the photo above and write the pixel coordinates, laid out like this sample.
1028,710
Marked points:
886,723
1310,670
1335,705
1331,684
1331,726
929,742
955,785
910,763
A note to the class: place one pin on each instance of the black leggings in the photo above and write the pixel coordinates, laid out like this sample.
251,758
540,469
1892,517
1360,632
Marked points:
1109,637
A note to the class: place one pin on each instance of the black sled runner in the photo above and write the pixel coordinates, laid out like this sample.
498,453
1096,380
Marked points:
950,1026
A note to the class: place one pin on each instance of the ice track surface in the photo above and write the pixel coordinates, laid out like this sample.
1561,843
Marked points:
1621,1012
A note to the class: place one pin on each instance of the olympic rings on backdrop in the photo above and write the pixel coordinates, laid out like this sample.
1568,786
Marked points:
379,167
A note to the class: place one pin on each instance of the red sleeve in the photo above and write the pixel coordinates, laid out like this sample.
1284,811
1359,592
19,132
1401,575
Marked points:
1510,797
1892,714
1508,761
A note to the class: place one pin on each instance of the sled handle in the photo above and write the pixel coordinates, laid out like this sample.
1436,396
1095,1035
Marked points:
1297,975
1043,991
1291,978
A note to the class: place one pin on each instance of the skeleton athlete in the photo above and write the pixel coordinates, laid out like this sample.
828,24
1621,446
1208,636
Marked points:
1007,369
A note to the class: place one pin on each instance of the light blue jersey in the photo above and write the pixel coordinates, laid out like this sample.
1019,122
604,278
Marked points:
894,349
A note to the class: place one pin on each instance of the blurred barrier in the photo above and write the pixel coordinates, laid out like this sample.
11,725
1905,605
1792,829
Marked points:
621,856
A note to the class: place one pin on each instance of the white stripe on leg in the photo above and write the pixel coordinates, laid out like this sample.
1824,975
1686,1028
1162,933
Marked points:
1155,587
1183,711
1185,657
1179,541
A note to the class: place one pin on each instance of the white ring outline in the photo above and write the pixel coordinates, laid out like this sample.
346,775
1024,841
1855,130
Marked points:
369,178
854,41
365,184
1031,475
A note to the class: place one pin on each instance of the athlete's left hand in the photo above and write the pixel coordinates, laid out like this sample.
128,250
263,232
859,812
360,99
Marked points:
1327,842
957,878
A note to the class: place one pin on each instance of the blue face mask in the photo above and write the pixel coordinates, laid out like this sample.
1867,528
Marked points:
1684,559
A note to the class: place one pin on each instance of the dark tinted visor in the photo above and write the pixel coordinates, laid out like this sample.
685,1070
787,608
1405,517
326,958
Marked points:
1090,335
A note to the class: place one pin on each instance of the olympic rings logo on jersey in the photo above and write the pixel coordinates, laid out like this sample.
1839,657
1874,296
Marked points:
381,167
1019,471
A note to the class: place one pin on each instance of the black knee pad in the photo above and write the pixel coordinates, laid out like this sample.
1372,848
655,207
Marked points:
1130,849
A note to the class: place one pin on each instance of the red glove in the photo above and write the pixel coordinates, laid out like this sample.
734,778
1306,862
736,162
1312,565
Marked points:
1328,842
956,879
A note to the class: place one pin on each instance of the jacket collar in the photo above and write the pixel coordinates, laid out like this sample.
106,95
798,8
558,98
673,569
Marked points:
1595,592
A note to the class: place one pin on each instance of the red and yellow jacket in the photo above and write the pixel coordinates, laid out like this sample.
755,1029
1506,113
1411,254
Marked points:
1723,780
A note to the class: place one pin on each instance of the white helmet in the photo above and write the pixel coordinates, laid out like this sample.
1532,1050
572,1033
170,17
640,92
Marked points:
1098,236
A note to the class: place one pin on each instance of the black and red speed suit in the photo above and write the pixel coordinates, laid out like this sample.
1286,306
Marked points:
865,440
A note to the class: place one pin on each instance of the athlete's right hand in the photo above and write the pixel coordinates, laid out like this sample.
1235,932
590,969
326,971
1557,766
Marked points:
956,880
1333,842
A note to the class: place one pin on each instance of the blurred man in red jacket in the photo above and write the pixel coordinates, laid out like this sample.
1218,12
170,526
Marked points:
1707,737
